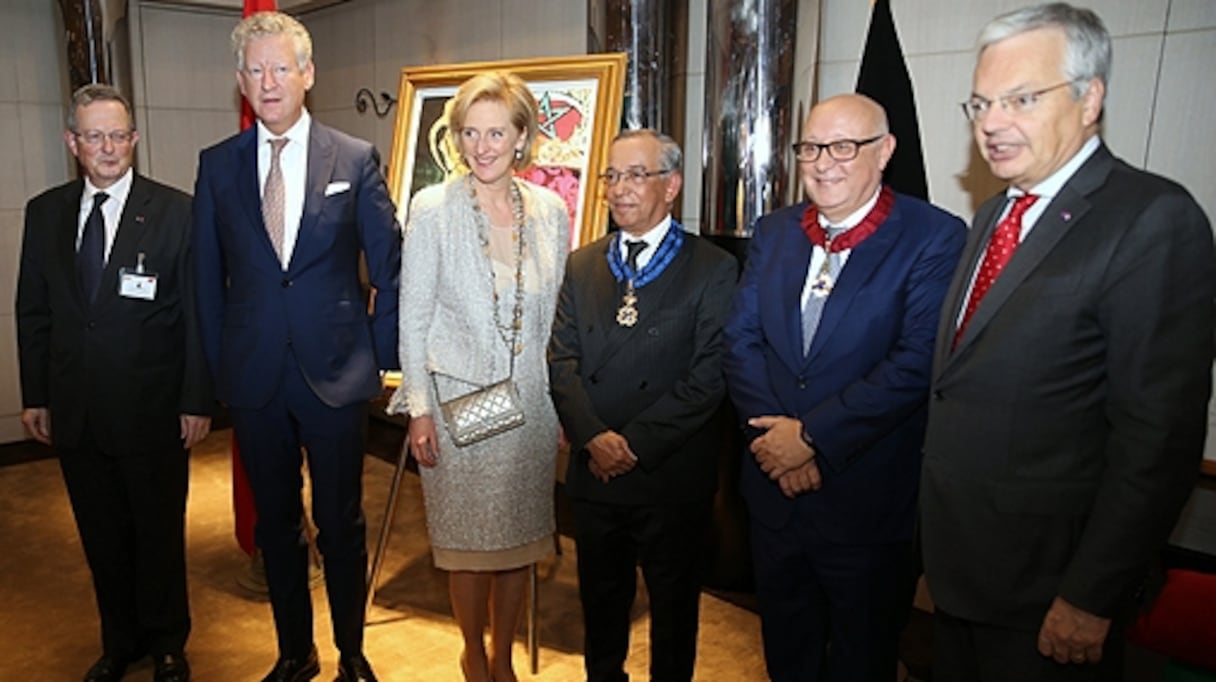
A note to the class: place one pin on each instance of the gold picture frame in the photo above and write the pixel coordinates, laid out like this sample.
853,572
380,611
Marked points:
580,99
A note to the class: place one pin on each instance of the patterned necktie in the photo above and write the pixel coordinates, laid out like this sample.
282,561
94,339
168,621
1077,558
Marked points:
91,256
634,249
813,310
1003,243
274,197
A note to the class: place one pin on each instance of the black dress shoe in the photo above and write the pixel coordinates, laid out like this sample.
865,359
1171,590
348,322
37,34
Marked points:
106,669
170,668
295,669
355,669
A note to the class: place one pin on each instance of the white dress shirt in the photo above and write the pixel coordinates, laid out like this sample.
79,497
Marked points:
111,210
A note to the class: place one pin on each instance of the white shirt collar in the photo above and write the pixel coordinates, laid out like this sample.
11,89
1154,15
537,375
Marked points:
296,133
117,192
855,217
652,236
1050,187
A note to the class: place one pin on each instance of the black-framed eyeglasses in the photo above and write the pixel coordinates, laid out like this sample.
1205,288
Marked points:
634,176
1014,104
839,150
94,138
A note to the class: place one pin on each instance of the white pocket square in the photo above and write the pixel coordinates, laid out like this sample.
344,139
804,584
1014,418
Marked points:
336,188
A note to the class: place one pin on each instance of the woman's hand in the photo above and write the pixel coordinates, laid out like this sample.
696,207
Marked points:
423,441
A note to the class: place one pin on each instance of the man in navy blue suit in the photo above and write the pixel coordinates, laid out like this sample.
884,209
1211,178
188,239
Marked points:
828,348
282,212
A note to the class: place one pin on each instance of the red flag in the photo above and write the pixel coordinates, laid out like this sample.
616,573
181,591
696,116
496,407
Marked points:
242,496
253,7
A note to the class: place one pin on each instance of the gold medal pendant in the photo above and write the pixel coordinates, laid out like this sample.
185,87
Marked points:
627,314
822,286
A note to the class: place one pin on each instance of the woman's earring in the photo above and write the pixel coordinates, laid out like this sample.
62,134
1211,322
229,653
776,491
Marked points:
519,154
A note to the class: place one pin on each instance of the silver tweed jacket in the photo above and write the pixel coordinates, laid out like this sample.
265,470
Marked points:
446,318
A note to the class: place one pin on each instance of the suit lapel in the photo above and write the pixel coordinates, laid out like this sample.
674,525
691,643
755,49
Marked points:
977,242
1067,208
783,321
66,228
321,159
249,192
861,266
131,227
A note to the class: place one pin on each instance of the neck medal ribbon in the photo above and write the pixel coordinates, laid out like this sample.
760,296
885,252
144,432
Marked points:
627,314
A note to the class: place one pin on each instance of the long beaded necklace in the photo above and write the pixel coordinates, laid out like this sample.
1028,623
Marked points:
509,333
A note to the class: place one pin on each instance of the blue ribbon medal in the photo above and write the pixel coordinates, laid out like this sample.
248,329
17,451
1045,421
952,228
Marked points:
627,314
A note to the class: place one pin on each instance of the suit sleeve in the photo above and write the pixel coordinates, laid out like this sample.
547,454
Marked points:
574,407
34,313
658,431
850,421
744,361
209,269
381,239
196,397
420,257
1156,309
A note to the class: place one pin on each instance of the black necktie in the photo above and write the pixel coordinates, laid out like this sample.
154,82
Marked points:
635,248
91,256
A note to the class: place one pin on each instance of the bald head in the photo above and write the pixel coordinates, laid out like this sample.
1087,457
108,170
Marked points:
851,144
868,114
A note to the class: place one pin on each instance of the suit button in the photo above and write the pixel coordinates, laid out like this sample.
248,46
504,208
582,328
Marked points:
938,396
92,325
285,283
594,379
801,384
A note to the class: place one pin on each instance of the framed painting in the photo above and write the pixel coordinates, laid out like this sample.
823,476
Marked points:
580,100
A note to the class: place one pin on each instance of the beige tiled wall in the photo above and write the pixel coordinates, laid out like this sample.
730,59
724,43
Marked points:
1155,107
32,159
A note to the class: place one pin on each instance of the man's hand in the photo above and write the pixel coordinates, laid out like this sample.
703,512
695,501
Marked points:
194,429
801,480
610,454
781,448
423,440
1071,635
37,421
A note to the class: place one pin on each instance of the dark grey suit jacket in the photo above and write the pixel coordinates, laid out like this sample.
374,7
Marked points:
656,383
1066,429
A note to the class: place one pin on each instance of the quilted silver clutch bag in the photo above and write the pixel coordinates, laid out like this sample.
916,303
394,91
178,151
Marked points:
483,413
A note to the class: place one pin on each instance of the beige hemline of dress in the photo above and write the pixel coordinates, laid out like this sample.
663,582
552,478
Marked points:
496,560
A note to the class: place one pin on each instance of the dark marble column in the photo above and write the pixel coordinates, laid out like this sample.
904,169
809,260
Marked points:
88,58
654,33
749,93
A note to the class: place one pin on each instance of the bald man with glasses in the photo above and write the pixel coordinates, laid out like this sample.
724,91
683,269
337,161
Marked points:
828,346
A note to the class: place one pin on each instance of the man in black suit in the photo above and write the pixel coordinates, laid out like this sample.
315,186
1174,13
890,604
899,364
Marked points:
112,375
1071,376
635,373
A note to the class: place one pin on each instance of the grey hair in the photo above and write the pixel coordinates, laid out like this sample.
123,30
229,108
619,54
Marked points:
263,24
670,156
96,92
1087,53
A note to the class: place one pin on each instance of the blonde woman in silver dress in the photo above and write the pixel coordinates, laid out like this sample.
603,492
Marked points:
489,505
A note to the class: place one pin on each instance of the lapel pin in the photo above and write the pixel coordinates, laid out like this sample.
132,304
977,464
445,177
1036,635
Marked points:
1066,216
139,219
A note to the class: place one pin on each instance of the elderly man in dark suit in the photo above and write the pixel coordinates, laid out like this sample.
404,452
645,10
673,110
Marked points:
282,212
1071,376
635,373
113,376
828,348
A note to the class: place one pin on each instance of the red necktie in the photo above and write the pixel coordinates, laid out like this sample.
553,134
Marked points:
1001,246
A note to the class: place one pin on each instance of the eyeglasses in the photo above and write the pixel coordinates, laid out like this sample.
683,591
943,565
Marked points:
635,176
279,71
1014,104
839,150
94,138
